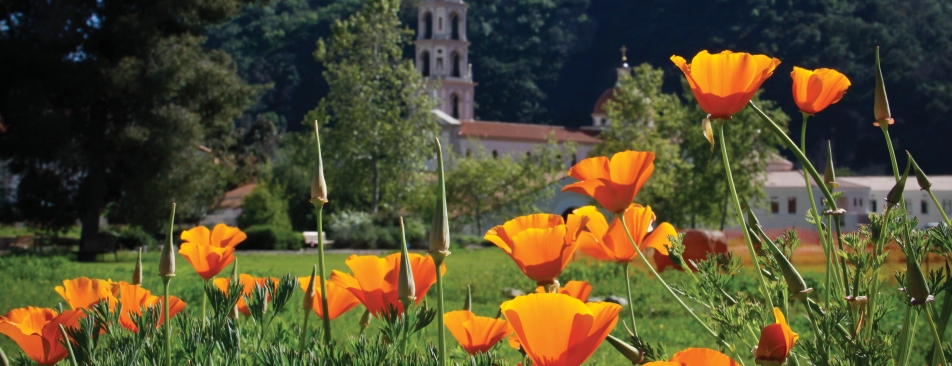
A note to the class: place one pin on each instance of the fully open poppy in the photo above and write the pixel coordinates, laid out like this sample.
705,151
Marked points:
776,340
610,243
476,333
723,83
814,90
374,281
248,283
614,182
210,252
540,244
222,236
577,289
36,331
339,299
84,292
557,329
696,357
134,299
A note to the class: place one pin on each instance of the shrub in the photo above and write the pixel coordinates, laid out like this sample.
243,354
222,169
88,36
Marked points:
354,229
462,241
263,237
135,236
267,206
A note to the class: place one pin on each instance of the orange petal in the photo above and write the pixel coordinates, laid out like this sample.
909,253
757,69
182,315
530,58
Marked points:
590,168
83,292
602,190
577,289
424,273
772,344
658,239
208,261
475,333
539,253
548,326
605,316
594,247
702,356
225,236
629,172
198,235
596,223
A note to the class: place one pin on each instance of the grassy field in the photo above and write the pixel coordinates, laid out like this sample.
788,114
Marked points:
29,281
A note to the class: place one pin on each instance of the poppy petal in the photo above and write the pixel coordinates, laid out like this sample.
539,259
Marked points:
658,238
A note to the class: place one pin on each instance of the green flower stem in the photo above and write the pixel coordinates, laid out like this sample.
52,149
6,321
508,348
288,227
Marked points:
307,314
69,347
439,318
740,218
168,324
3,359
631,305
935,336
320,264
839,242
904,344
816,329
204,301
892,153
806,178
939,207
874,284
665,284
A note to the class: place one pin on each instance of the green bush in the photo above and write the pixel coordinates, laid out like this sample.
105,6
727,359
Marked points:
353,229
263,237
132,237
462,241
266,206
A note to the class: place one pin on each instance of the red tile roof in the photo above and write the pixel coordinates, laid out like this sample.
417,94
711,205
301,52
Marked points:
236,197
600,104
525,132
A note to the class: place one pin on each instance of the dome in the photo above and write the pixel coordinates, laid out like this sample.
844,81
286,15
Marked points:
606,96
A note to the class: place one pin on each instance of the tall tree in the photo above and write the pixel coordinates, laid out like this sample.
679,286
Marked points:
376,116
112,99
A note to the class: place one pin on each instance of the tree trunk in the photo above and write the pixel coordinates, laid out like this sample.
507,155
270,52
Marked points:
93,191
376,198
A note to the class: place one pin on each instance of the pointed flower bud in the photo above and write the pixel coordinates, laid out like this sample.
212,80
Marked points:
440,231
310,292
137,272
796,284
627,350
921,177
318,185
829,174
468,305
917,288
364,320
895,194
406,287
167,260
881,108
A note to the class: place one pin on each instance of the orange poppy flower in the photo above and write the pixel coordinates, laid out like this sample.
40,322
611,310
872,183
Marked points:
577,289
208,260
614,182
610,243
723,83
776,340
540,244
374,281
222,236
814,90
339,300
248,283
557,329
83,292
134,298
475,333
696,357
36,331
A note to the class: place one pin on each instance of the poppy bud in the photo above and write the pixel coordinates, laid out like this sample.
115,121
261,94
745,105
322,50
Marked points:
921,177
829,175
440,231
468,305
167,260
857,303
3,359
776,342
364,320
318,185
881,107
708,131
796,284
631,353
406,288
234,271
895,194
309,293
137,273
234,312
917,288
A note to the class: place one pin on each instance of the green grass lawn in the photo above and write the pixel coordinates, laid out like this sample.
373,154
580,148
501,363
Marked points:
29,281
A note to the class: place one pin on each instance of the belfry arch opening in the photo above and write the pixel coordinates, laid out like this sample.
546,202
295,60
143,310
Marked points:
427,26
425,63
454,105
457,66
454,26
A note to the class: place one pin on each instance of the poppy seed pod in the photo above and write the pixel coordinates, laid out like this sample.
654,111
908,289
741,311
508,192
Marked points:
440,230
468,305
796,284
167,260
406,287
895,194
631,353
921,177
881,107
310,292
318,185
829,174
137,272
917,288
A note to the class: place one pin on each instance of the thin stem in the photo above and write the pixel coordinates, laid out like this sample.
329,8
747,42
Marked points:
892,153
935,335
939,207
665,284
320,264
69,347
816,329
740,218
839,242
440,312
204,301
631,305
307,313
168,324
904,337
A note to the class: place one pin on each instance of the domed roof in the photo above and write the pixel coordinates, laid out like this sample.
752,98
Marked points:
606,96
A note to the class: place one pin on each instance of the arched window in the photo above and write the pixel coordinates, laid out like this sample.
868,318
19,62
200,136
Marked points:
454,104
454,26
456,65
425,60
427,26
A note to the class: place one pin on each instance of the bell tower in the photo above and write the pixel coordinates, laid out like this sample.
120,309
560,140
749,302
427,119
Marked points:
442,55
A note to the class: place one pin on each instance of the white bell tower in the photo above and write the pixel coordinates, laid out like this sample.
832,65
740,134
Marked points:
442,55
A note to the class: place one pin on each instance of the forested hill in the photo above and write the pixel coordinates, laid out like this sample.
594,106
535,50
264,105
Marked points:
547,61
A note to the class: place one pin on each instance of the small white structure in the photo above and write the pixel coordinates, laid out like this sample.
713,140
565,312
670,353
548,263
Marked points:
918,203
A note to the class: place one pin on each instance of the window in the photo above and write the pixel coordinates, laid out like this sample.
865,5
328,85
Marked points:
425,60
456,65
792,205
441,24
947,205
454,24
495,154
907,205
924,207
454,103
428,26
469,153
860,202
774,205
872,205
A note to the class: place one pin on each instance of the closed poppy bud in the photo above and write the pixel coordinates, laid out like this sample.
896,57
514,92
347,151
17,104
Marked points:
318,185
167,260
895,194
921,177
137,272
440,230
627,350
406,288
309,293
829,175
917,288
468,305
881,107
796,284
